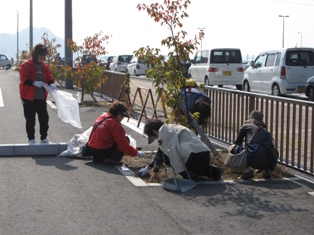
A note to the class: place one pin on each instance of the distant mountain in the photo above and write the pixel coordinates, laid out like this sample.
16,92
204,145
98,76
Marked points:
8,42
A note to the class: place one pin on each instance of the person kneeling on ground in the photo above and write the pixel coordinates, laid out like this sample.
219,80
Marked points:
107,141
261,153
181,148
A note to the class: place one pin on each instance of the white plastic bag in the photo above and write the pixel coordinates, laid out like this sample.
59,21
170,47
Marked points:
68,109
76,143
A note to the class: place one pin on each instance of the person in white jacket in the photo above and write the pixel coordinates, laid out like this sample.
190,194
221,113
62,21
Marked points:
180,148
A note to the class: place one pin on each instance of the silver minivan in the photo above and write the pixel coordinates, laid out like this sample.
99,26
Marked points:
218,66
280,72
5,62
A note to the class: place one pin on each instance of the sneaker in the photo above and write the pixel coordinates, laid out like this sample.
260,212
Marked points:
248,175
45,141
266,175
32,141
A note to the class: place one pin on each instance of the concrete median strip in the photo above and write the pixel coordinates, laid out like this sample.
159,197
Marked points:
138,182
35,149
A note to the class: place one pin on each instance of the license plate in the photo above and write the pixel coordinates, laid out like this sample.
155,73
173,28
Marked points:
227,73
301,89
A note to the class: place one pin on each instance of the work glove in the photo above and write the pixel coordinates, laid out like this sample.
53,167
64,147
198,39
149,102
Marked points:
53,87
141,154
143,171
39,84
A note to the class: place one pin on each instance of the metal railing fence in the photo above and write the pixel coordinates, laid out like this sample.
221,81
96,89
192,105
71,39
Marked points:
290,121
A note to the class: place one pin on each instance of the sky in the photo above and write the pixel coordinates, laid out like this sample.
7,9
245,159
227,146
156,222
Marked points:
251,25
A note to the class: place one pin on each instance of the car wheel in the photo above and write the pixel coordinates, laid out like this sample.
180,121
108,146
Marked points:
246,86
275,90
135,73
311,94
239,87
206,81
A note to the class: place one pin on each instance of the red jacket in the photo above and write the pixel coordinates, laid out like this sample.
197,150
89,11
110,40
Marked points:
109,132
28,76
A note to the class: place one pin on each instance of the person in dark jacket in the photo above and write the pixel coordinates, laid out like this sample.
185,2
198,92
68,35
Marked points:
198,102
34,76
261,152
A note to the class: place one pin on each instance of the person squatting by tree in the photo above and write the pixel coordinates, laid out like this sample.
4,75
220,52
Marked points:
34,75
108,141
178,147
261,153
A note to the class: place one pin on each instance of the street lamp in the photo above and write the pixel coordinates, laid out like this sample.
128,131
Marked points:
201,38
300,38
283,29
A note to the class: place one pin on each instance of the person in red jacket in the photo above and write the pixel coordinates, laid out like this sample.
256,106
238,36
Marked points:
107,140
34,75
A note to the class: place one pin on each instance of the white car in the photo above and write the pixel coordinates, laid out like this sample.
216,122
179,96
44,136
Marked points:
136,67
5,62
119,63
218,66
280,72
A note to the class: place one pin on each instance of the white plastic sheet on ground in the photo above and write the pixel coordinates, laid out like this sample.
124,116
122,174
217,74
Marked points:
68,108
78,141
76,144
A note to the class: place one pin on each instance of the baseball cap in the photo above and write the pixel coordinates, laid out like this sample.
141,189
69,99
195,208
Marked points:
151,138
125,114
257,116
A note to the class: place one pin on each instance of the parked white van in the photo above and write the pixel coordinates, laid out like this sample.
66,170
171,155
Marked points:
280,72
5,62
219,66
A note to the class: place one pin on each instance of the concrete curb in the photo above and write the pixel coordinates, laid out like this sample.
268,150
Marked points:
8,150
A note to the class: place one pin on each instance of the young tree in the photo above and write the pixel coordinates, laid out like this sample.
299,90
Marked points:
168,74
89,76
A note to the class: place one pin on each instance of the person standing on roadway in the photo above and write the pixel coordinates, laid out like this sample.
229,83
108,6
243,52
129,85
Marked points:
34,75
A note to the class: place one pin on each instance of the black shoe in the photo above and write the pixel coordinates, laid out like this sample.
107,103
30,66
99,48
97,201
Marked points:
248,175
267,175
215,172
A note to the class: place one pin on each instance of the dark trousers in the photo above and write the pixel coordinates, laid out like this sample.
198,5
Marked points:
198,164
30,110
112,153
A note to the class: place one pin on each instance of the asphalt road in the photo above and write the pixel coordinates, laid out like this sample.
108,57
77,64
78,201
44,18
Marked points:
50,195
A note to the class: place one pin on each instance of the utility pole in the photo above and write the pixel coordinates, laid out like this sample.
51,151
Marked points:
17,39
30,26
68,34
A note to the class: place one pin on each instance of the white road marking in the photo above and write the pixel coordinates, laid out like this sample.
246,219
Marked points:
1,99
51,104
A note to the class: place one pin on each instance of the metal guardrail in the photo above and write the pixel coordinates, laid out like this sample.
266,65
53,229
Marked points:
290,121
